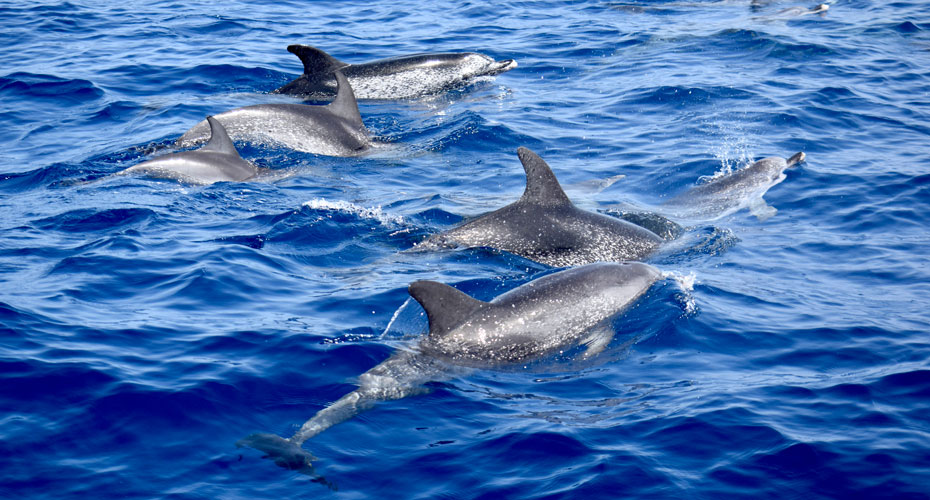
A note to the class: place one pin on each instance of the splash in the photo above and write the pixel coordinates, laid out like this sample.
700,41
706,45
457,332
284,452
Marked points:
685,284
733,150
376,213
394,318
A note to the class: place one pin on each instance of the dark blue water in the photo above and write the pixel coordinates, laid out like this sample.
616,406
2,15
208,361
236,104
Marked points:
145,325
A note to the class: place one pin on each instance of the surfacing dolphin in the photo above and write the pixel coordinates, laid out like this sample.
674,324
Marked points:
544,226
335,129
396,78
217,161
726,194
803,11
559,311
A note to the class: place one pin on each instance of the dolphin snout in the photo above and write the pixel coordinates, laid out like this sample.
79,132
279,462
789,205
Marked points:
499,67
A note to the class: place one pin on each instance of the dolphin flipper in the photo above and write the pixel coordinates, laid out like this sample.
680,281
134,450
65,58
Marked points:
283,452
598,340
761,210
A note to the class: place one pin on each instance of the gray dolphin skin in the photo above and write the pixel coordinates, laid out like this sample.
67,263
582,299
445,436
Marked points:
544,226
335,129
396,78
559,311
217,161
724,195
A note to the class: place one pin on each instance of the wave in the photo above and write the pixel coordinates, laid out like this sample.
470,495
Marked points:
64,91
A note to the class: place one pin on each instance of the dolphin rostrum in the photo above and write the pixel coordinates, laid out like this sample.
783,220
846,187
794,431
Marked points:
546,227
724,195
335,129
396,78
559,311
217,161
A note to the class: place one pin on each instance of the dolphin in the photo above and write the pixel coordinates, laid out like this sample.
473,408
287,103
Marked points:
217,161
566,309
803,11
724,195
396,78
544,226
334,130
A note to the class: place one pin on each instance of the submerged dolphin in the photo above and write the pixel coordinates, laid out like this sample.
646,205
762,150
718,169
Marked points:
803,11
217,161
395,78
546,227
335,129
724,195
562,310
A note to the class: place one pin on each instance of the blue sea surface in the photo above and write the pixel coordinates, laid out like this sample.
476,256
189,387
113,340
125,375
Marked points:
147,325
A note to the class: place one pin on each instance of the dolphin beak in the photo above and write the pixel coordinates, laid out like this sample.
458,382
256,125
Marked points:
795,159
501,66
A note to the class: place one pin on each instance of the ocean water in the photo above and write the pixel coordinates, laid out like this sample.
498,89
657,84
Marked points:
147,325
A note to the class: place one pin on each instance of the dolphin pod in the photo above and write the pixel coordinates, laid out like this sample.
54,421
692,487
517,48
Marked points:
539,318
563,311
395,78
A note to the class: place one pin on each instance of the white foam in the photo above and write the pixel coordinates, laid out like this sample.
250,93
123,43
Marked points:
344,206
686,285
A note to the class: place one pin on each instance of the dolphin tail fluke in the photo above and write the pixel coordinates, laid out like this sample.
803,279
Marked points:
796,158
315,60
283,452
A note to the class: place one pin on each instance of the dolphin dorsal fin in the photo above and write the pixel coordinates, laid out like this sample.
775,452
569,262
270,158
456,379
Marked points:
345,105
219,139
315,60
542,188
446,307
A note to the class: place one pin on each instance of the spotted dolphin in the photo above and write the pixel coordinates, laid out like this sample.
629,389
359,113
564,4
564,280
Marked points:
335,129
217,161
569,308
726,194
396,78
546,227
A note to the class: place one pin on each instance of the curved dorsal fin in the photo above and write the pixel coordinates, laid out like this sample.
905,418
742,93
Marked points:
542,188
219,139
315,60
345,105
446,307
